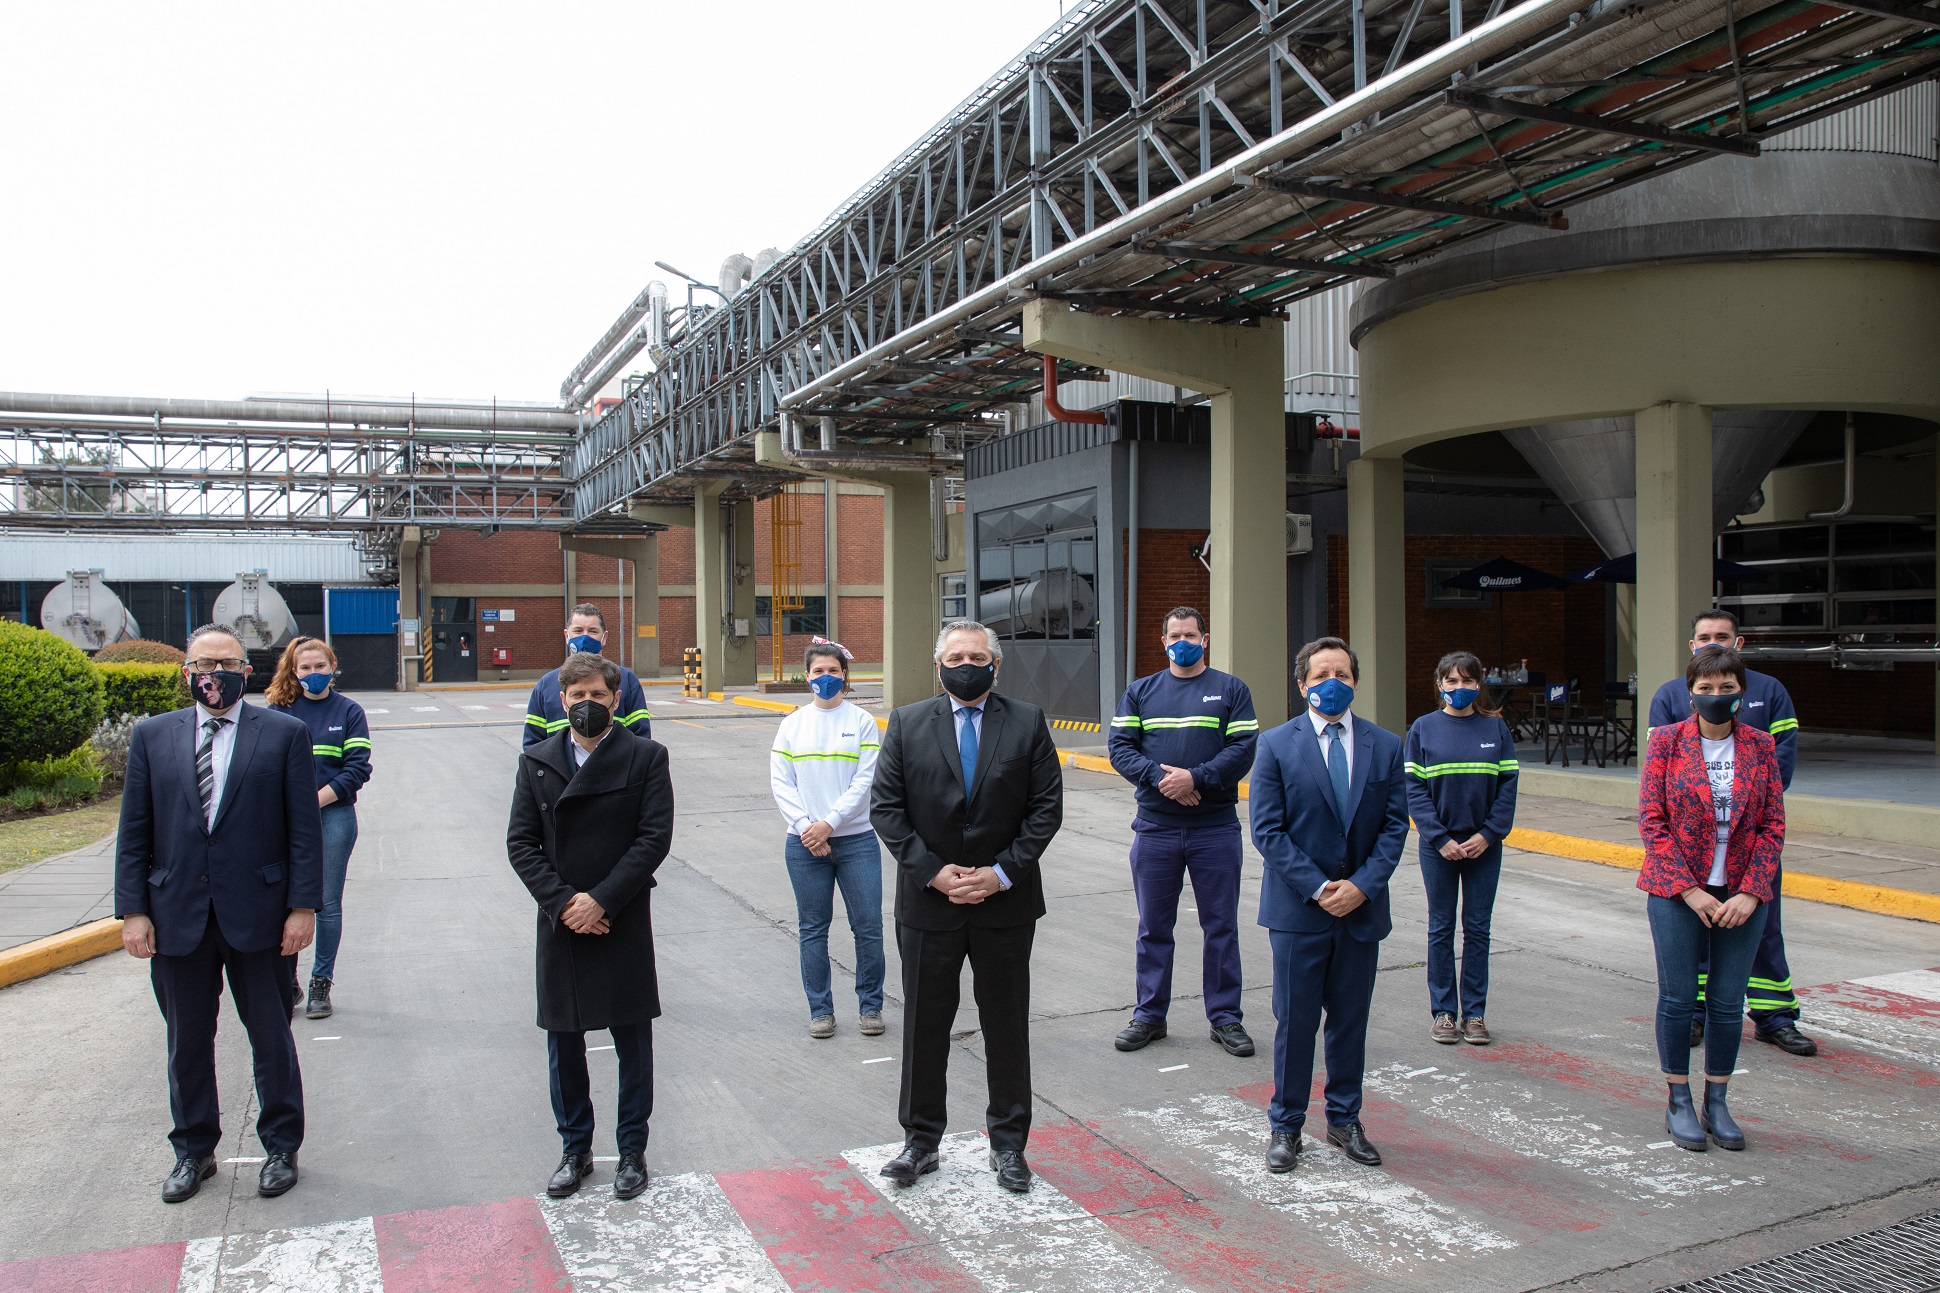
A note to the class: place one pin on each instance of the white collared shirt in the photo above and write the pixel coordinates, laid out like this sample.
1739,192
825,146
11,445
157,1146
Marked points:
219,755
1346,720
581,754
958,711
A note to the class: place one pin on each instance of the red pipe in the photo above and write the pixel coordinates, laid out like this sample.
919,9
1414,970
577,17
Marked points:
1056,411
1324,429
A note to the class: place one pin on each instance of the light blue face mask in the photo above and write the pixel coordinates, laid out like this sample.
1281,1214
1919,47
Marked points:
1330,697
1185,654
584,644
826,685
1460,697
316,683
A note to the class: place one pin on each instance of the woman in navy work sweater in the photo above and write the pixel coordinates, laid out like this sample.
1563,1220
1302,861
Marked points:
340,744
1461,771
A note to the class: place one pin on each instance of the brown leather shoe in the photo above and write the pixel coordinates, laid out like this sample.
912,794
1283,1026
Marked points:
822,1027
1475,1032
1445,1030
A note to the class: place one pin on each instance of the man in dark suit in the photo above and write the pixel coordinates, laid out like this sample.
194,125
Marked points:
219,868
592,819
1330,814
967,796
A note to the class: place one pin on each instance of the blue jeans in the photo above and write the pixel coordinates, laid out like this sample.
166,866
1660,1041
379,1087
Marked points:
1681,939
339,838
855,863
1473,881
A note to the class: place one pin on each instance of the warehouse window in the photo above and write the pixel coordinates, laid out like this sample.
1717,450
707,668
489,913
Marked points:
813,617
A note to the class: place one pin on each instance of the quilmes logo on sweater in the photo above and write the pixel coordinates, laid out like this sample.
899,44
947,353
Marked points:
338,728
1488,745
1206,700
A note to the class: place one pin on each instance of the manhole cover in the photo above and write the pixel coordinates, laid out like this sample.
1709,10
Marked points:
1897,1259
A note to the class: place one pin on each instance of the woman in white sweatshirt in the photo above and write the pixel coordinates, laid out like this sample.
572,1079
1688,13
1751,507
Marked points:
820,769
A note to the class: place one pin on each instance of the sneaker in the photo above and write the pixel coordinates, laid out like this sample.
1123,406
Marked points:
871,1025
822,1027
319,1003
1475,1032
1444,1030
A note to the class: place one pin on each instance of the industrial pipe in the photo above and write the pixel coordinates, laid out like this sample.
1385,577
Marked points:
1852,474
628,317
516,417
1056,411
619,359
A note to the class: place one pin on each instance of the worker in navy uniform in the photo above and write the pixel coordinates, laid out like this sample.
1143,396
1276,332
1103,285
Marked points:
1184,738
219,870
1330,812
1769,1000
592,819
967,796
585,633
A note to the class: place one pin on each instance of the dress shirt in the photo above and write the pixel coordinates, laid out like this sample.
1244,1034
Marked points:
219,754
973,715
1320,721
580,754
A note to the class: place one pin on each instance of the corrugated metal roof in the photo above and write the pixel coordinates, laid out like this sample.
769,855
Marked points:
174,558
1905,123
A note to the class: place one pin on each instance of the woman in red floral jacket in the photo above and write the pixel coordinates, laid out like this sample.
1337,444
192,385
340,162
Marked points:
1711,810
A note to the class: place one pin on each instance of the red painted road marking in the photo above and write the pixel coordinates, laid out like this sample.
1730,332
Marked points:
827,1231
152,1268
1547,1064
488,1248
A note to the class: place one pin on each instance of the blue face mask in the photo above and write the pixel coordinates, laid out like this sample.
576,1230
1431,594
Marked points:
1460,697
316,683
1184,654
1707,646
1330,697
826,685
584,644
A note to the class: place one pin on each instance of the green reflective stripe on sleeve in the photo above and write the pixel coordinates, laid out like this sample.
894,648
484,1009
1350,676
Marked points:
1508,765
557,724
1243,725
1194,720
1783,725
357,743
336,751
537,721
1771,1003
822,755
870,745
1771,985
634,717
1426,771
1126,720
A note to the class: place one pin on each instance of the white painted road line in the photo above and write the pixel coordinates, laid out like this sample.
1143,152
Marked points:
1373,1218
474,707
1924,984
425,709
336,1258
377,711
880,1059
1174,1068
1009,1242
681,1236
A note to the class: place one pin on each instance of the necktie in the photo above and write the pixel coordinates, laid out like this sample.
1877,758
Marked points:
205,765
1337,766
967,748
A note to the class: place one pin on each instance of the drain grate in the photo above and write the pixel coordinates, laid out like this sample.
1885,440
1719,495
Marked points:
1897,1259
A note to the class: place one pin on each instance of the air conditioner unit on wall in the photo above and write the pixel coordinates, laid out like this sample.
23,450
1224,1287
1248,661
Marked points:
1300,534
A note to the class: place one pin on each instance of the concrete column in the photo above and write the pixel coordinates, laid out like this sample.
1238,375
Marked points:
909,605
643,550
739,653
831,556
407,607
1625,630
726,661
1241,369
1377,601
1674,537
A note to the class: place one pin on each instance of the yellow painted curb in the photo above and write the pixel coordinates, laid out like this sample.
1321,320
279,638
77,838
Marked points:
58,951
758,702
1089,762
1606,852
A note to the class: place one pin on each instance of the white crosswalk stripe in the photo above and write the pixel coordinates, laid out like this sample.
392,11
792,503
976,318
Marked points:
337,1258
681,1236
1924,984
1009,1241
1378,1221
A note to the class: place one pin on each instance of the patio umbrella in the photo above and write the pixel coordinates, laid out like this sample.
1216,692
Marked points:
1502,575
1623,570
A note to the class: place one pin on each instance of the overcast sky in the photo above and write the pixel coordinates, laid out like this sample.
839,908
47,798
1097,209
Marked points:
213,199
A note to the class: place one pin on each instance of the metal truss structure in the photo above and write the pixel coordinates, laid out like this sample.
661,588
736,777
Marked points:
1215,160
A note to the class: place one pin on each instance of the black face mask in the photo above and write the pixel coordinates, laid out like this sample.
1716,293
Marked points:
968,682
1717,710
218,690
589,718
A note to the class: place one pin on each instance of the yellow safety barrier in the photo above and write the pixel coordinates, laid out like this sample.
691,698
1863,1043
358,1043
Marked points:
58,951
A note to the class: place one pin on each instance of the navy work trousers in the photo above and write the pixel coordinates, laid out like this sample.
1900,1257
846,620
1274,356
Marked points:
1473,880
572,1089
1333,971
1162,858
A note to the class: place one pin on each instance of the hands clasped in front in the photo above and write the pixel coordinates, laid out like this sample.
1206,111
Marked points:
1466,850
583,915
966,885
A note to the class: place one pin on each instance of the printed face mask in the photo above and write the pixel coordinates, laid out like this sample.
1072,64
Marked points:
583,644
315,683
589,718
1717,710
826,685
1185,654
1460,697
1331,696
968,681
218,690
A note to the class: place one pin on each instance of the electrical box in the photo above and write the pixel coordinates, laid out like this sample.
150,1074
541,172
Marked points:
501,656
1300,534
740,628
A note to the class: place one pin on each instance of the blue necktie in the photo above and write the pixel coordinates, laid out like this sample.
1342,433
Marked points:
1337,766
967,748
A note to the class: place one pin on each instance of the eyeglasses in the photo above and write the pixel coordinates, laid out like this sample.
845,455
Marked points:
211,666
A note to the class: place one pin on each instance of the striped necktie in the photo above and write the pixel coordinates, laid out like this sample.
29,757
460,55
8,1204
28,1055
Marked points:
205,766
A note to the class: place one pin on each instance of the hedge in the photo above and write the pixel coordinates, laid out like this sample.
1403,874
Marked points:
142,689
50,695
138,650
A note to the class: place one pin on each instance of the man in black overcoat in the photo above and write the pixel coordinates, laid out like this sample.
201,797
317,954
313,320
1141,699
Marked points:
967,796
592,818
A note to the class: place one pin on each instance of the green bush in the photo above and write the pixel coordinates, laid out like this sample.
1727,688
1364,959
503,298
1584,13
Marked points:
139,651
74,778
50,696
142,689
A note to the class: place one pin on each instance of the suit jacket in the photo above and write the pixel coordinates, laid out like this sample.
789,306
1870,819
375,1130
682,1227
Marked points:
264,855
1015,806
602,830
1675,815
1299,833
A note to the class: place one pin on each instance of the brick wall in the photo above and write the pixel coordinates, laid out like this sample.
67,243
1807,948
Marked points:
861,627
1899,703
677,556
508,557
1562,634
858,539
534,637
677,631
809,539
1168,576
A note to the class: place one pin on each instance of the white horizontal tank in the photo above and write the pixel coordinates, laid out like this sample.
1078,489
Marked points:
86,612
255,612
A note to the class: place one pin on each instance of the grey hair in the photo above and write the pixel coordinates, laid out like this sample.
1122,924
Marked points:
968,626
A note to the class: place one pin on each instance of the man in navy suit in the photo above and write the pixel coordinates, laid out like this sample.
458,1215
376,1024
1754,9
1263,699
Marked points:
219,867
1330,814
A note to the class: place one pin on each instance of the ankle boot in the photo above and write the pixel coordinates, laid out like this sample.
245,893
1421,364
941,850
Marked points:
1717,1118
1681,1119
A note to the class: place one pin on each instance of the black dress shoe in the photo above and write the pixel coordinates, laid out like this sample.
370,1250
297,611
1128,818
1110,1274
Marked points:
1284,1152
1233,1037
278,1175
631,1176
1790,1040
1137,1034
572,1169
1012,1172
913,1162
187,1178
1353,1142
